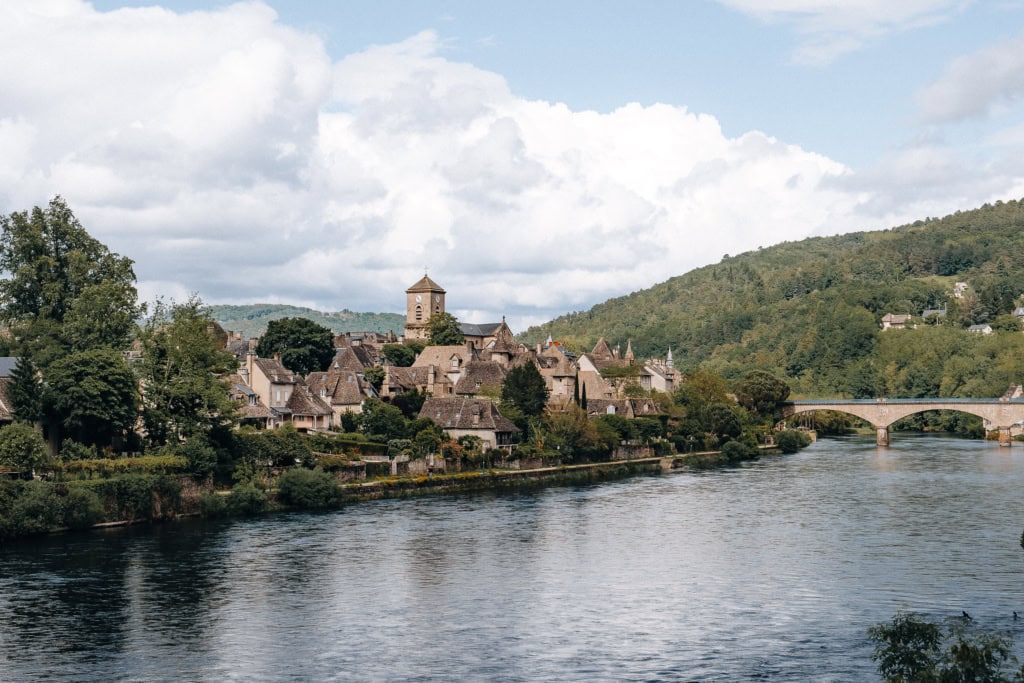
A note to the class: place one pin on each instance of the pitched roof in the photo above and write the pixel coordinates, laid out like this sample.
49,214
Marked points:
466,413
303,402
441,356
356,358
480,373
414,377
425,284
480,330
337,387
602,350
275,371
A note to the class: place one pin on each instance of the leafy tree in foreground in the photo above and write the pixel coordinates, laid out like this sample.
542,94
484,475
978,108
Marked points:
444,330
910,648
25,391
64,290
304,345
23,447
181,369
525,389
94,395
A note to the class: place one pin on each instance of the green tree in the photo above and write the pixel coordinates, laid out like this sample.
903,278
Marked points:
444,330
304,345
25,391
182,373
911,649
525,389
21,446
64,290
375,376
382,420
399,355
93,395
760,392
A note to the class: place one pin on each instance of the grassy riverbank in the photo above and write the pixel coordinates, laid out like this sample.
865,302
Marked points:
38,507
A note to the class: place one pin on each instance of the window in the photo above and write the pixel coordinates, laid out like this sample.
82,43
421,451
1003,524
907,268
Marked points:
419,312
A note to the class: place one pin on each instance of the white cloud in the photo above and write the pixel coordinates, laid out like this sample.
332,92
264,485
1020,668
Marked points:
829,28
227,155
976,84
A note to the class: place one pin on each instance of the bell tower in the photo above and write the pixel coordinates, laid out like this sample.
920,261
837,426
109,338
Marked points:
422,300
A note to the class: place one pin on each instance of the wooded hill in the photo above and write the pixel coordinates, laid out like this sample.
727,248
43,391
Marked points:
251,319
811,311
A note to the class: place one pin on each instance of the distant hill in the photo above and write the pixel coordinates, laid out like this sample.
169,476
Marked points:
811,310
251,319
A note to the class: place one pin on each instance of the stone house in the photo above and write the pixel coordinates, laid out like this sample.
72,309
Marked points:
343,389
896,321
284,393
463,416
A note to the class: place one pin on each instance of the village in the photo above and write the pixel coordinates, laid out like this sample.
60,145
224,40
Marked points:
460,382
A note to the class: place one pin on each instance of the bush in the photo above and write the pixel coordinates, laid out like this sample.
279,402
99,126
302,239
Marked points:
792,440
201,457
108,467
247,499
82,508
23,447
73,450
37,510
736,451
308,489
213,505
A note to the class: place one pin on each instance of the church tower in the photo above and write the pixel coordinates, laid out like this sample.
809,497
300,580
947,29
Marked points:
422,300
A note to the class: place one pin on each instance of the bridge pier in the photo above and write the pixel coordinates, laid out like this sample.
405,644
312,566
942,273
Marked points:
1004,436
882,435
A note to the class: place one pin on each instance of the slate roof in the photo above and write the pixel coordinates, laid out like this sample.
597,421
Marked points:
275,372
481,330
480,373
303,402
458,413
7,364
407,379
337,387
356,358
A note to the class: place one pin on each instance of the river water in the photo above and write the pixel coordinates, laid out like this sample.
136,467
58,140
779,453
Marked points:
770,571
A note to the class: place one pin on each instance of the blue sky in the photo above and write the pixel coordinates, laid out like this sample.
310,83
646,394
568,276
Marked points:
538,157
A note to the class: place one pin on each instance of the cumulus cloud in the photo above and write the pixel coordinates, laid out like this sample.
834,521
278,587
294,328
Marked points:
228,155
829,28
975,84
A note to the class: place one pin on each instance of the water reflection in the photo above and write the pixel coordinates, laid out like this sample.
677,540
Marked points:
773,570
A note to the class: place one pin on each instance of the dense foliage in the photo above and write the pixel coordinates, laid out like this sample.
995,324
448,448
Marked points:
912,649
810,312
444,330
304,345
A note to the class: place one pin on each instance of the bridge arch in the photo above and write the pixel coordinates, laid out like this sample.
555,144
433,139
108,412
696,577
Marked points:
881,413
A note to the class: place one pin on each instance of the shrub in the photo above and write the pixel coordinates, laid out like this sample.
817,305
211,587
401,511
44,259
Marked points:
308,489
108,467
37,510
23,447
201,457
247,499
213,505
791,440
73,450
82,508
332,463
735,451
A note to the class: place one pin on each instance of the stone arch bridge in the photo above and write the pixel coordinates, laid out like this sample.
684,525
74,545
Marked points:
998,413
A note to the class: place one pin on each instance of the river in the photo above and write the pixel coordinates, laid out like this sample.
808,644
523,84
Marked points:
769,571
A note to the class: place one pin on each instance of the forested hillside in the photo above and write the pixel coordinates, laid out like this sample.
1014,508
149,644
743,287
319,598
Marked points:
251,319
811,311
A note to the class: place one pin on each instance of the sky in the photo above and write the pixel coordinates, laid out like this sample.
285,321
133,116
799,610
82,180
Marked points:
535,158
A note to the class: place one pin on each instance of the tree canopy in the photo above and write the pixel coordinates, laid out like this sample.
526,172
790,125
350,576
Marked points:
181,371
525,389
304,345
93,395
444,330
64,290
